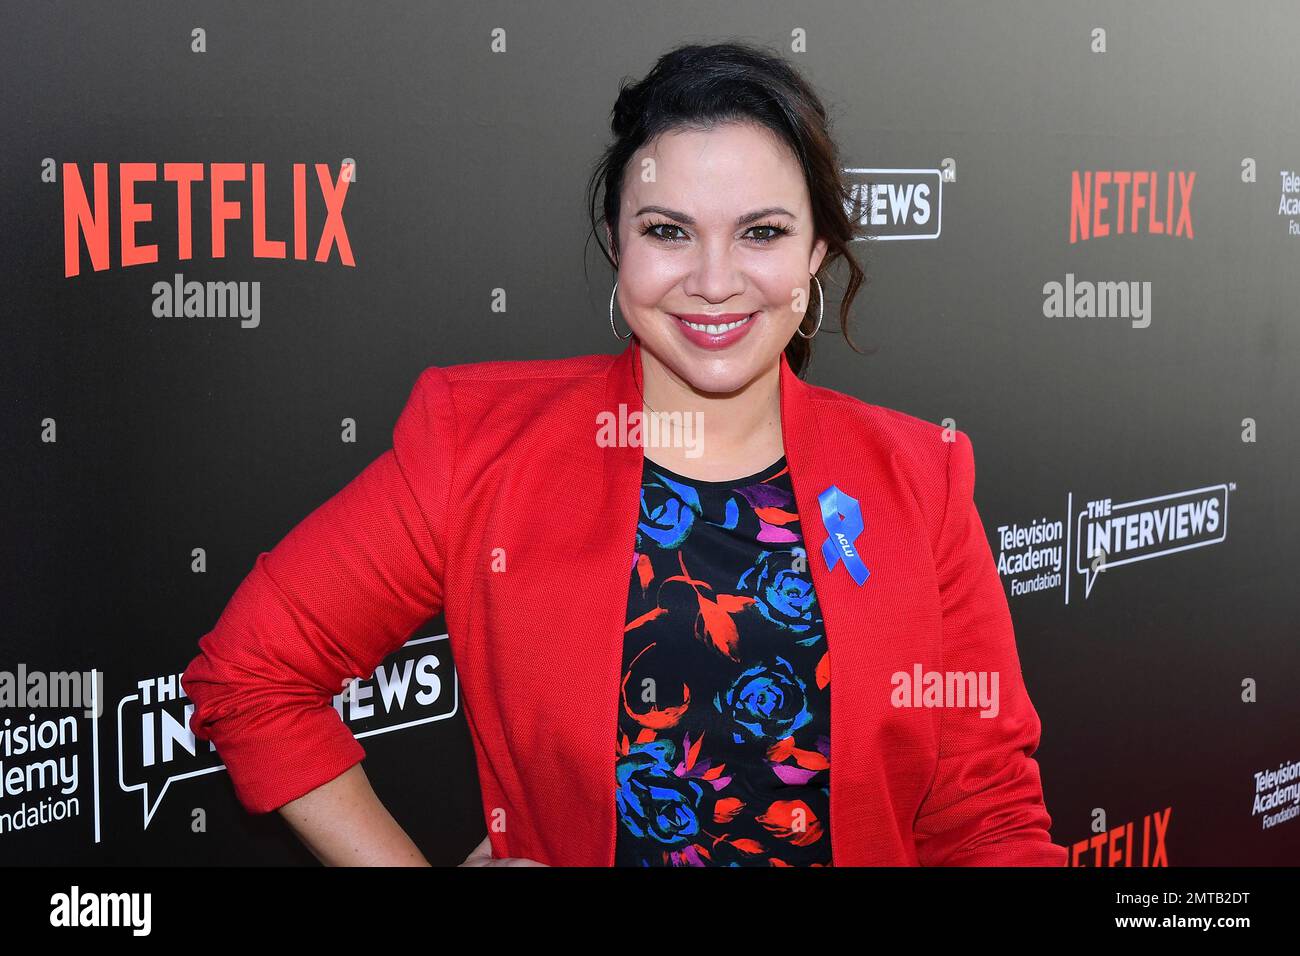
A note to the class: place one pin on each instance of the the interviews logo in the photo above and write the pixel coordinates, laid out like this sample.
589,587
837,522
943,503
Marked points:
416,684
896,203
1102,534
1112,533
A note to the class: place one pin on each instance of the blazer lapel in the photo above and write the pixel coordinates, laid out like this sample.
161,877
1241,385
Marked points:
596,641
857,625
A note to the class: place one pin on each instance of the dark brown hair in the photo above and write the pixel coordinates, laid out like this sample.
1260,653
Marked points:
699,87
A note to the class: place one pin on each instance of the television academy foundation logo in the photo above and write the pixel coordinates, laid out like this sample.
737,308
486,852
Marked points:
1102,535
1288,205
54,772
1277,795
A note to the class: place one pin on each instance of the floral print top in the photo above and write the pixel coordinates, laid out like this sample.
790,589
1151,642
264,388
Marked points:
723,746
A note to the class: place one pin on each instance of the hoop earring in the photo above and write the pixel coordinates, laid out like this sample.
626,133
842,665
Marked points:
611,314
821,309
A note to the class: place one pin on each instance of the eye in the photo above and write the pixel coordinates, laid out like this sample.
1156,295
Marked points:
778,231
650,228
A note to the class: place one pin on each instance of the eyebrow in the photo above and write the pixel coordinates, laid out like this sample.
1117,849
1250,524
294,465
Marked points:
741,221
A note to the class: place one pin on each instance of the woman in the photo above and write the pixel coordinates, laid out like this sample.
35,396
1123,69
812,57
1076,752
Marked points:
652,686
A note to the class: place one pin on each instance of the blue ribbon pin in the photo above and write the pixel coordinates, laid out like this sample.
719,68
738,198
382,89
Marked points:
843,520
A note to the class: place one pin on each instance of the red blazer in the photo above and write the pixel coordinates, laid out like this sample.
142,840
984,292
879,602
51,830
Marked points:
505,455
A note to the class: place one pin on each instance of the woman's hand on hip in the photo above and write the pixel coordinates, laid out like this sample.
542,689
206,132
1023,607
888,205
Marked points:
481,855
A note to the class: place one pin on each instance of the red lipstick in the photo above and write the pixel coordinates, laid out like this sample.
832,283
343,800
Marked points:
705,339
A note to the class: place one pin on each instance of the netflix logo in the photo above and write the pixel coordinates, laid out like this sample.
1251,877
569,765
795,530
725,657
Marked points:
1136,843
102,214
1108,202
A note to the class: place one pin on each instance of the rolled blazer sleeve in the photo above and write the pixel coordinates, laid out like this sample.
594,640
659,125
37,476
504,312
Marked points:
985,806
343,589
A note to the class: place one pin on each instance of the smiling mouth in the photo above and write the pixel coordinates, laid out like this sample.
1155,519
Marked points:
715,328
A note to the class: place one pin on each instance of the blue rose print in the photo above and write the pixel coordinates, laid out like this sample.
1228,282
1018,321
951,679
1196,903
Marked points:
782,595
668,510
766,702
653,802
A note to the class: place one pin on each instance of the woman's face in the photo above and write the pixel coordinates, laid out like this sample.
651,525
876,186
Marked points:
716,227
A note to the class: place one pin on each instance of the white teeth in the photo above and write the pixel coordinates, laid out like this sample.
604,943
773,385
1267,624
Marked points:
718,329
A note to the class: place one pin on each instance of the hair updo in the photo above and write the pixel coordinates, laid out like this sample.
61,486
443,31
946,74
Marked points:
699,87
627,110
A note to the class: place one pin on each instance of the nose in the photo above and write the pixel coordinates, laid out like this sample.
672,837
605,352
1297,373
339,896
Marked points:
713,275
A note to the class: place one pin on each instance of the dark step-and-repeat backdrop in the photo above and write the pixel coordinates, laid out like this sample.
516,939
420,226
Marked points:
234,235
